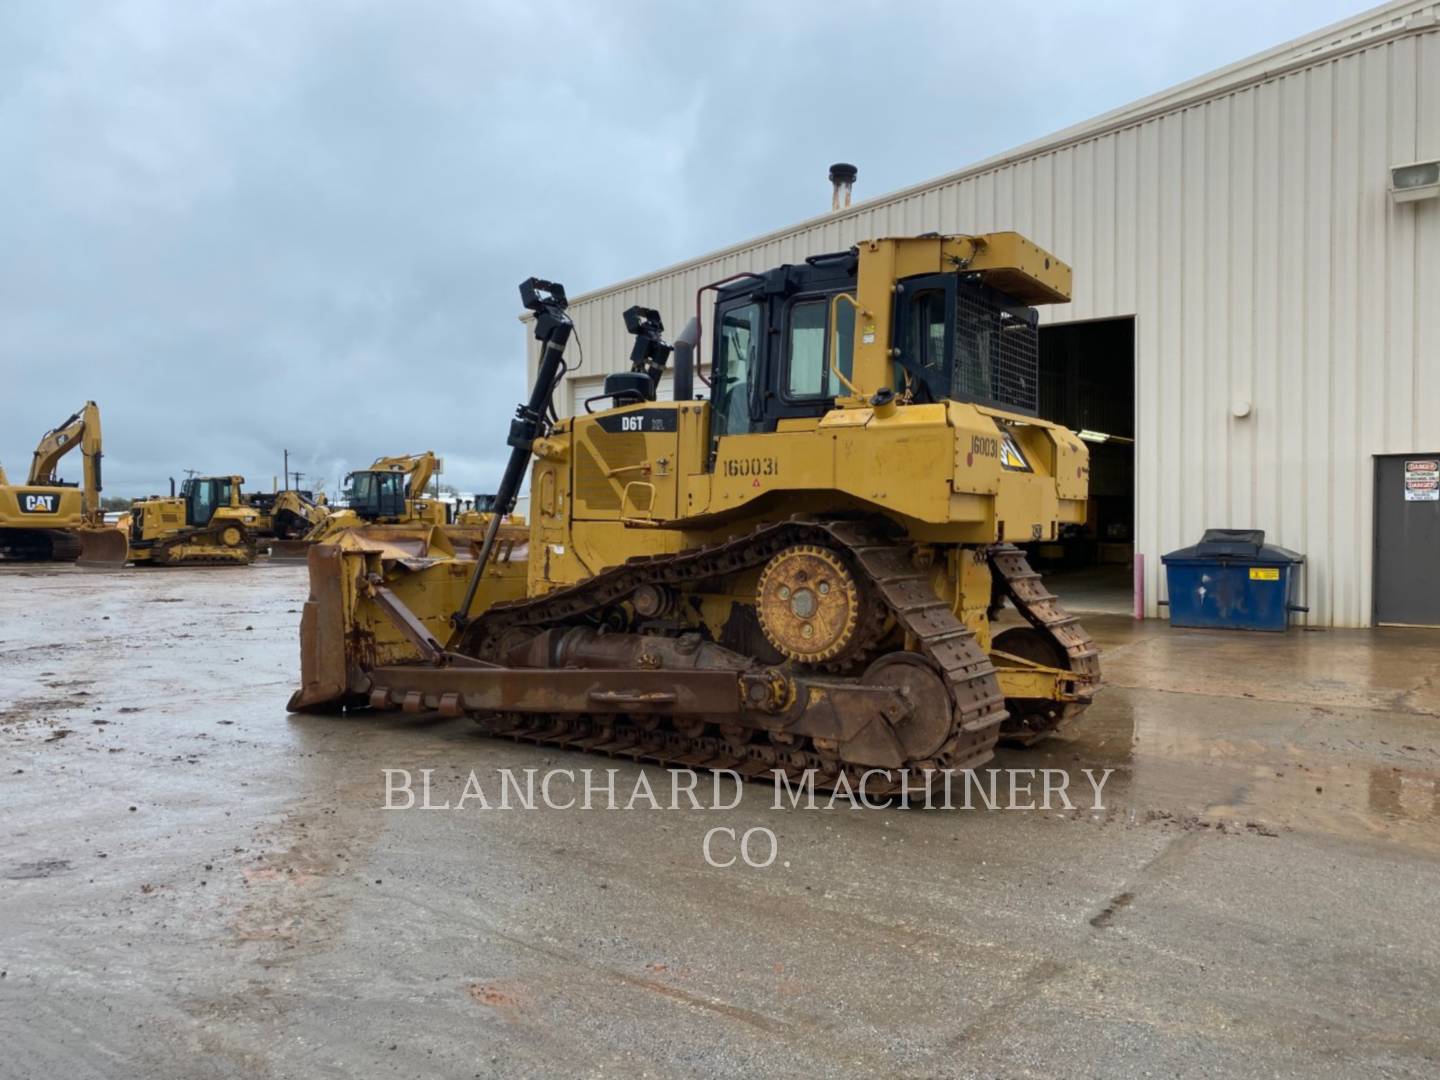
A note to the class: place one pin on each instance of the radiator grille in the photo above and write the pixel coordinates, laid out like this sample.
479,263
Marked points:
593,489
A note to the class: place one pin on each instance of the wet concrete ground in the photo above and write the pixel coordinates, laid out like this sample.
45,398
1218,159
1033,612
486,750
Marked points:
194,884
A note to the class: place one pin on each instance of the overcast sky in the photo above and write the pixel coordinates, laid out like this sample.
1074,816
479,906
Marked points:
247,226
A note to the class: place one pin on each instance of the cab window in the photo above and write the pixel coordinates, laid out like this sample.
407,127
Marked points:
807,350
925,334
202,498
808,374
976,348
741,332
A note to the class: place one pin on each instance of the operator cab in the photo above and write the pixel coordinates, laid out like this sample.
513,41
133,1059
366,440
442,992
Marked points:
954,338
771,355
204,495
376,493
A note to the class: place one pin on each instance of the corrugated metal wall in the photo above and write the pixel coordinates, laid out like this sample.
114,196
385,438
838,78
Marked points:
1252,236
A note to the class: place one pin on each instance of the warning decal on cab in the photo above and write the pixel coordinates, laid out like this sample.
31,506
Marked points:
1011,456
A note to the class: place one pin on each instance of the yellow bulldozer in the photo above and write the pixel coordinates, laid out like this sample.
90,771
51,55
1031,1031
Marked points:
287,517
287,514
207,523
38,518
800,573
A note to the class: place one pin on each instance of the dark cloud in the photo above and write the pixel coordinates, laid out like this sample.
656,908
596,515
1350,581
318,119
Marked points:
247,226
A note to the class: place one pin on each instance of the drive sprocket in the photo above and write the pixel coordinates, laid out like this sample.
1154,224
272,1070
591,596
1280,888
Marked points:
809,604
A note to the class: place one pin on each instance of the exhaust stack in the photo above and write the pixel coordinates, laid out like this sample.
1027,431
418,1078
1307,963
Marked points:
842,179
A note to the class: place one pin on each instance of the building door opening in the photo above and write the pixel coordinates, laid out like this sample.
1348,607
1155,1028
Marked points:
1087,383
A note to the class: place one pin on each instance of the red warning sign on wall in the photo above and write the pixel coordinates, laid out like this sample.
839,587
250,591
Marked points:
1422,480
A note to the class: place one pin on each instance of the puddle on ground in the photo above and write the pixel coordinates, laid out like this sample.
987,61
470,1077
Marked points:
1369,774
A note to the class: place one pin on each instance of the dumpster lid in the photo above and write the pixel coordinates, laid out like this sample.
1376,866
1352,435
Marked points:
1246,545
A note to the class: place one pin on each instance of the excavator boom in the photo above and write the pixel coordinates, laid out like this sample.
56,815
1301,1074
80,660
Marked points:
38,518
83,430
420,468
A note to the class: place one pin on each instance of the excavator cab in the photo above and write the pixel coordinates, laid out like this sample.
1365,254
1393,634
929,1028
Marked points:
374,493
391,492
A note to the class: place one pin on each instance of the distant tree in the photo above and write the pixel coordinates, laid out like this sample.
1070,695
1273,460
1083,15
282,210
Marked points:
114,502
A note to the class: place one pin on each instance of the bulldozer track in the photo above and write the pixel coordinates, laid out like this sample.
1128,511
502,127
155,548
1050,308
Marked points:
930,626
164,552
1025,589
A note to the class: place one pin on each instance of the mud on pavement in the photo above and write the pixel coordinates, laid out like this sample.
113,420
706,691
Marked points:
195,883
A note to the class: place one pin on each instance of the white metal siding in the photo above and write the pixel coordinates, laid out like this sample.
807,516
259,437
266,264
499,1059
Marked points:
1252,236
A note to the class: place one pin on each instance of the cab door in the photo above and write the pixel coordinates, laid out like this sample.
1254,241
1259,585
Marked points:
200,503
737,371
205,497
773,362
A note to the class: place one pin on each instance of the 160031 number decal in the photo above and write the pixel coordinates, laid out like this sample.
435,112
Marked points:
755,466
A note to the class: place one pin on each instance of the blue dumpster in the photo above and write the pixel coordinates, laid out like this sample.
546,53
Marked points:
1232,580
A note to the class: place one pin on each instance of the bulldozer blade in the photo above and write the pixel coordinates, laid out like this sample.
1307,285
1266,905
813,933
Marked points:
289,550
106,549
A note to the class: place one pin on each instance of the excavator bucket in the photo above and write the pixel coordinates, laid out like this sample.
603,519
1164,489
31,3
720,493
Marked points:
105,549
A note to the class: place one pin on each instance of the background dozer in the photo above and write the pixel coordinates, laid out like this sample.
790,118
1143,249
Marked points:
38,518
798,573
209,522
287,518
287,514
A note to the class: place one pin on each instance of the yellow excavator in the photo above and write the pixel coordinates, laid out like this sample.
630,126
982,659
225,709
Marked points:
390,492
38,519
207,523
803,572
